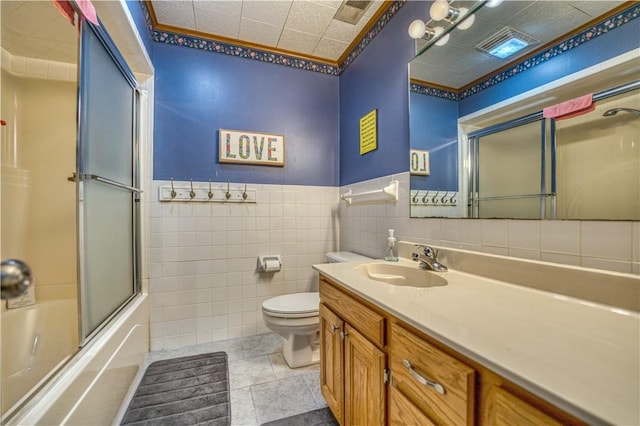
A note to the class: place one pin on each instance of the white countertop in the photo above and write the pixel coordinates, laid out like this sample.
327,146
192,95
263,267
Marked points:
581,356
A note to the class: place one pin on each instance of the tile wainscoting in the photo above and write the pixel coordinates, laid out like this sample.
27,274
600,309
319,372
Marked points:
203,256
203,281
610,245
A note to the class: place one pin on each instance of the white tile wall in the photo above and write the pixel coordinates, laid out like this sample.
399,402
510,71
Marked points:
38,68
611,245
203,281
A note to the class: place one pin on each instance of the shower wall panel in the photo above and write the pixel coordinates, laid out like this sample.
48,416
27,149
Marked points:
598,170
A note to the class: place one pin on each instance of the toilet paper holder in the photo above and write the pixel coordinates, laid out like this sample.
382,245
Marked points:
271,263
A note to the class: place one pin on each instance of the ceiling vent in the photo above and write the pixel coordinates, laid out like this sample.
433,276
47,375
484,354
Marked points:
506,42
351,11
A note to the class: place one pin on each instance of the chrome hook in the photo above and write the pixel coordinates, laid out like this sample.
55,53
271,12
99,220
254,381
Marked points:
415,197
244,193
434,200
228,193
192,194
210,194
173,191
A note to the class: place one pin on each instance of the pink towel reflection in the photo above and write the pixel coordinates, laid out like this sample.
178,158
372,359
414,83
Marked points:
87,9
65,8
571,108
85,6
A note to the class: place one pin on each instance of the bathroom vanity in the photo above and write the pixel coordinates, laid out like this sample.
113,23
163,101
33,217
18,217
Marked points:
478,350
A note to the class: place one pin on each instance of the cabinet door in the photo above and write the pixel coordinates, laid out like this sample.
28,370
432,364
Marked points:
364,380
331,367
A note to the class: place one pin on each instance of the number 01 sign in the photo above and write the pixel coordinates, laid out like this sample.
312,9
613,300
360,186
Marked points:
419,162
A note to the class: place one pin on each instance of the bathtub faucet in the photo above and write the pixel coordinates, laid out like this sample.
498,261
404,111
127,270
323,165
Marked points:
428,259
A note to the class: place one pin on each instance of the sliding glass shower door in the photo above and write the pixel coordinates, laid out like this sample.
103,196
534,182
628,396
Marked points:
107,173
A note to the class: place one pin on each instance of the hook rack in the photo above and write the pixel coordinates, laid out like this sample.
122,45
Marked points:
435,198
205,192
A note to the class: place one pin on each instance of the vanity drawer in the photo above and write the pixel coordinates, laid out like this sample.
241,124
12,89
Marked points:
403,412
365,320
439,384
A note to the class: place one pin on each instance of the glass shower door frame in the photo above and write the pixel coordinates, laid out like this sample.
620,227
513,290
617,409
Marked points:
86,331
547,148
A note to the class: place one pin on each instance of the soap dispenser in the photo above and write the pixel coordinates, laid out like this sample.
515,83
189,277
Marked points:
391,252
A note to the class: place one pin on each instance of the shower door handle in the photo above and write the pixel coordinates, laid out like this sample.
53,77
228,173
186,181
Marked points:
16,278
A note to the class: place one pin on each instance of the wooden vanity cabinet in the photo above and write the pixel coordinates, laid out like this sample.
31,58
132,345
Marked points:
352,366
362,346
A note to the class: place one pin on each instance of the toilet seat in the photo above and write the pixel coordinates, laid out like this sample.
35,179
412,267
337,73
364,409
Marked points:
296,305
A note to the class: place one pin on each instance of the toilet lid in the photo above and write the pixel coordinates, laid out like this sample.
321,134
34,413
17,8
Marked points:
296,303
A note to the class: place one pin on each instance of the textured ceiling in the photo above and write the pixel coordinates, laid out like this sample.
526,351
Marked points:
458,63
302,27
36,29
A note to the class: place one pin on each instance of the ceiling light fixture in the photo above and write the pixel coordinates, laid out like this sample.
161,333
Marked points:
418,29
440,10
461,18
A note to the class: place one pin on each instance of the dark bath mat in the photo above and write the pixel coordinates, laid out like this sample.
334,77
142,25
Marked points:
183,391
320,417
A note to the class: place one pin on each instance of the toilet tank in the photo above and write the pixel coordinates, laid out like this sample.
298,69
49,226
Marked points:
345,256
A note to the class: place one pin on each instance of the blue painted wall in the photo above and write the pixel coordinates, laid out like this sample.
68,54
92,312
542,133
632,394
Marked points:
613,43
141,24
433,126
197,93
378,78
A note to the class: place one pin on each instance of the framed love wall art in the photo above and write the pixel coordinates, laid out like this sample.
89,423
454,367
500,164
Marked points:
262,149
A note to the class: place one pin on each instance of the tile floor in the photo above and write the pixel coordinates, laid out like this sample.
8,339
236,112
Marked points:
263,387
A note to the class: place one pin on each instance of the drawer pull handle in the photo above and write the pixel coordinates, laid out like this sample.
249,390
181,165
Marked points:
437,386
334,328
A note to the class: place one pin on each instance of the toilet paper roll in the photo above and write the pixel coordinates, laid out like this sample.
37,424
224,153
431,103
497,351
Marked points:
272,265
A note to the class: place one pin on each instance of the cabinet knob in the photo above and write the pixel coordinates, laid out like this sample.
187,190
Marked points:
343,334
334,328
424,381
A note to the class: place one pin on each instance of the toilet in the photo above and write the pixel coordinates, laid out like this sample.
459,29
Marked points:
295,317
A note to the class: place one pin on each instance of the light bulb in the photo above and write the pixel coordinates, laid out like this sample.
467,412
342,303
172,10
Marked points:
437,31
467,22
493,3
439,10
443,40
417,29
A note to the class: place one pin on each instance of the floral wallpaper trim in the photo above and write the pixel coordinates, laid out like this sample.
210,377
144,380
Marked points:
147,16
268,56
370,35
432,91
242,52
589,34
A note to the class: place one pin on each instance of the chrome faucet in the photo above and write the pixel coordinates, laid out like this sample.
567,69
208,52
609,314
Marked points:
428,259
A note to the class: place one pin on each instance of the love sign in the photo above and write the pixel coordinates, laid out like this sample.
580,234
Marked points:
237,146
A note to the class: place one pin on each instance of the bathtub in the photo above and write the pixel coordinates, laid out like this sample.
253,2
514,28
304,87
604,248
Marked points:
36,339
93,385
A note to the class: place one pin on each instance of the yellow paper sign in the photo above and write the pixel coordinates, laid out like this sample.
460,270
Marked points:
369,132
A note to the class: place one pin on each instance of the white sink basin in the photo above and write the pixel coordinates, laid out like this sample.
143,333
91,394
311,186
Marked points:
398,274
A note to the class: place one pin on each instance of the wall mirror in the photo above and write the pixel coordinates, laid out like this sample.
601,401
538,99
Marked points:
507,161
